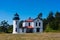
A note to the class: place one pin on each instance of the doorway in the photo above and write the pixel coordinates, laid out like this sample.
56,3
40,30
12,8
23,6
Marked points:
29,30
37,29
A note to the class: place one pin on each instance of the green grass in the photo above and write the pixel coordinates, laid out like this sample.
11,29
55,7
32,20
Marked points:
31,36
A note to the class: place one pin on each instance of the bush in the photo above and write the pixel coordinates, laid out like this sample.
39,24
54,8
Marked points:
48,29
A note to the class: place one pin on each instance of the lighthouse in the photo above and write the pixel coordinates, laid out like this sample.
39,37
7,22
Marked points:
16,24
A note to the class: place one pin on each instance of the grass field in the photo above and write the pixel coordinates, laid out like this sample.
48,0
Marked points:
31,36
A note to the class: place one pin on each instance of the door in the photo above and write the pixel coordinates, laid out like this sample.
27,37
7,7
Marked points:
37,29
29,30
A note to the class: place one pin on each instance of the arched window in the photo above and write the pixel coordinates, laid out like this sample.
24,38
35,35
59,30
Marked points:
39,23
36,23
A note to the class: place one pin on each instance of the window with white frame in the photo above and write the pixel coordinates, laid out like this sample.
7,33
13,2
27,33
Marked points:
39,23
36,23
29,23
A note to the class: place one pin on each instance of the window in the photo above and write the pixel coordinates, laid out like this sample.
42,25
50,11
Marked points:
22,29
16,30
29,23
16,22
36,23
39,23
38,20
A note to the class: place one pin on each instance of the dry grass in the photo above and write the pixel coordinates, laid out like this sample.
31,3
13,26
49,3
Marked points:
31,36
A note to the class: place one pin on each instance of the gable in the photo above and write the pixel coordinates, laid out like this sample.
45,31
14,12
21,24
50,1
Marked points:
38,20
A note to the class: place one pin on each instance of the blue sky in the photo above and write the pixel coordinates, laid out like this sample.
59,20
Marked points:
27,8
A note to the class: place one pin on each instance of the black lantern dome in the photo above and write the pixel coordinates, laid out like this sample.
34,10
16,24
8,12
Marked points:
16,17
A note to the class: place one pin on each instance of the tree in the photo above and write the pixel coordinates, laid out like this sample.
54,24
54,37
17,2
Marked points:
44,23
10,28
20,24
48,29
50,17
57,20
54,22
50,21
53,25
57,16
4,26
39,15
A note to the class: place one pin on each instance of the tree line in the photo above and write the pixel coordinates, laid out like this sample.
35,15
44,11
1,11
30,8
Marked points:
50,24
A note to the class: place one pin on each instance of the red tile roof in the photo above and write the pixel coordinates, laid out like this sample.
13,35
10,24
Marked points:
29,27
29,20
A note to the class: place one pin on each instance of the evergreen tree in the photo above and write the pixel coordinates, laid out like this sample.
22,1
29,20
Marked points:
40,15
57,20
20,24
44,23
50,17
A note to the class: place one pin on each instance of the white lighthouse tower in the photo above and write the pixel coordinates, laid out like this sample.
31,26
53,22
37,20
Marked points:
16,24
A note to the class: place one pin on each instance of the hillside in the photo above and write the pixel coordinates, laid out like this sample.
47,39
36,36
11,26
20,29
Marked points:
30,36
